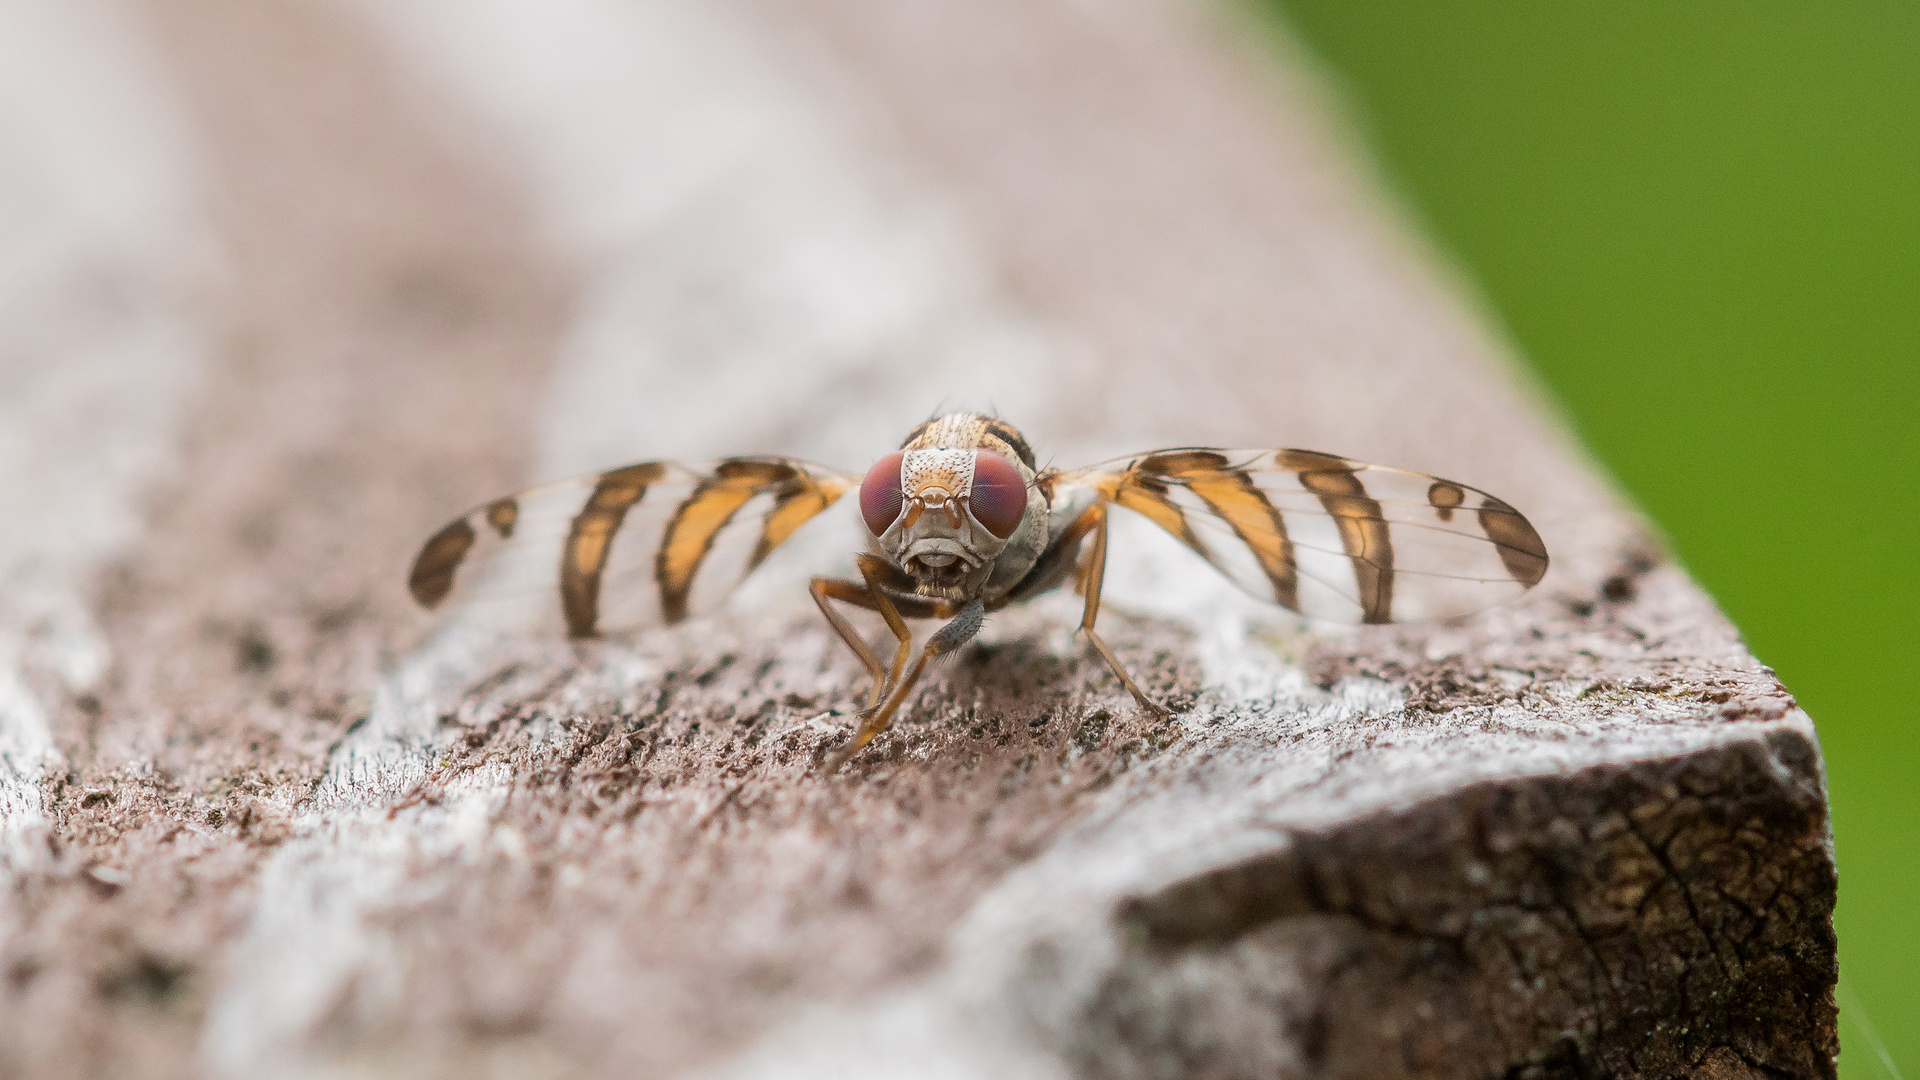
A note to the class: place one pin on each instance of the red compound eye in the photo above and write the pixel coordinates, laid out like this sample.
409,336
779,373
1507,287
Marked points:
880,497
999,495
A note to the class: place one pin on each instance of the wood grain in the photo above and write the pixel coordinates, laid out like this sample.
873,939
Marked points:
299,832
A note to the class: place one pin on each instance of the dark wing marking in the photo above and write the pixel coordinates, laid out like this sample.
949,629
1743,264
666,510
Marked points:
583,560
1328,537
432,576
648,544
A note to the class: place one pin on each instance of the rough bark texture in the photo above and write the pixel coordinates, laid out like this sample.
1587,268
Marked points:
281,830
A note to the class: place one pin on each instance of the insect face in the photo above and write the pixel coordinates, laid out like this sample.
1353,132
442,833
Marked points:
943,514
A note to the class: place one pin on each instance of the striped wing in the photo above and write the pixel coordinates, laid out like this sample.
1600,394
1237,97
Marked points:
1327,537
648,544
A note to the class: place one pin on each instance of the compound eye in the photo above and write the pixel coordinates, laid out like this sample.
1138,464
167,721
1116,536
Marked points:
880,497
999,495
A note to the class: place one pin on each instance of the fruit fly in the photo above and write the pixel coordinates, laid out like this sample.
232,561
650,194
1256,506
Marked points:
960,522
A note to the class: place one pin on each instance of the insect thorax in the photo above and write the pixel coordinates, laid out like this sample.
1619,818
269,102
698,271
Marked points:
970,431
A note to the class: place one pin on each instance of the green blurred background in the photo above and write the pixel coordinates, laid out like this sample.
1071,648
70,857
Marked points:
1701,223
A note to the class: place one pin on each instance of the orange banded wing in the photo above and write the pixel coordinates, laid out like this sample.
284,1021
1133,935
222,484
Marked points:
648,544
1327,537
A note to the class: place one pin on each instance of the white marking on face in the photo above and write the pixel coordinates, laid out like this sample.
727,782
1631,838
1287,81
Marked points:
949,470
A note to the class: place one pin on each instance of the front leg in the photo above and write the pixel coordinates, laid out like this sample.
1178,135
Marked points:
878,572
873,597
851,592
961,630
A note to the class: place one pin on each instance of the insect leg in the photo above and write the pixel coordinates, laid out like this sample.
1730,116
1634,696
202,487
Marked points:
1055,563
1092,576
949,637
876,571
873,598
825,589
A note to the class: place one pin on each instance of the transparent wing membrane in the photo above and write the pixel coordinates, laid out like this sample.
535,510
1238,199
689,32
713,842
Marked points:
1330,538
647,544
654,543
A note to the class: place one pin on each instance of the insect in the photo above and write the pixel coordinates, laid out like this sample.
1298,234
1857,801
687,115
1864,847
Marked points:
961,522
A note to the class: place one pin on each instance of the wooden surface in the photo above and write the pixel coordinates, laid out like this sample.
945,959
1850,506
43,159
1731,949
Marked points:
287,284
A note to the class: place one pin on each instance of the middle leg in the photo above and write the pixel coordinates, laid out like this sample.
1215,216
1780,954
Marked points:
1092,576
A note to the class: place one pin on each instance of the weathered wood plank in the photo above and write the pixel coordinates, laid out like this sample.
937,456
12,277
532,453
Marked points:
100,264
364,338
1585,835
